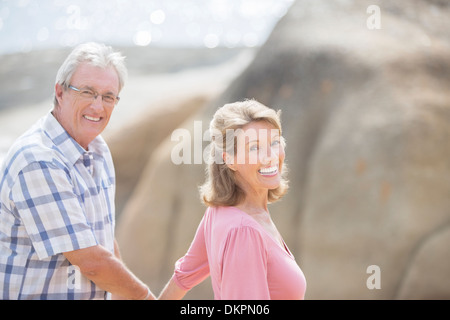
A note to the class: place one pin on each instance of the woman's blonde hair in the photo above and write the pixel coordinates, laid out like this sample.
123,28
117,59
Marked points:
220,187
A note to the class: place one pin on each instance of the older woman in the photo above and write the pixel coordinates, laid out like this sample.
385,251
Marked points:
237,243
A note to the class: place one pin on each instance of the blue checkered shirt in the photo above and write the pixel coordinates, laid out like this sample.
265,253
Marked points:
55,197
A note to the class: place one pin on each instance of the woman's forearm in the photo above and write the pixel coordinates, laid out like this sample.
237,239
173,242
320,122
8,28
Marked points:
172,291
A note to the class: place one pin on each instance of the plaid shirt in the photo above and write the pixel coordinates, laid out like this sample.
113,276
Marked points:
55,197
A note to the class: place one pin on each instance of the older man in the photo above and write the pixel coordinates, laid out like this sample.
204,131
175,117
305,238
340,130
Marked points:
57,188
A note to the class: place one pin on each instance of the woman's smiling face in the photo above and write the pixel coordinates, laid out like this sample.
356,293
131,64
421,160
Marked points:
259,157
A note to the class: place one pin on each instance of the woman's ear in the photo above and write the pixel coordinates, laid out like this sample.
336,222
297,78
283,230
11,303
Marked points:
229,161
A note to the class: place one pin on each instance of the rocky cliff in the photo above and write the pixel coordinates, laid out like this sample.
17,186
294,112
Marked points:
363,89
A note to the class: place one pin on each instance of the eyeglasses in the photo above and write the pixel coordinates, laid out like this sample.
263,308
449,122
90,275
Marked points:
89,94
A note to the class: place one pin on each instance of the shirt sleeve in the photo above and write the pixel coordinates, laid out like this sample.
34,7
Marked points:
193,268
50,211
244,266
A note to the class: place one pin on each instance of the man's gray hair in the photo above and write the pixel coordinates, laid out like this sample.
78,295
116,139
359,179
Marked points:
95,54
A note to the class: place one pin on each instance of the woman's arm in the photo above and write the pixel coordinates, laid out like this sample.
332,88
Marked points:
172,291
190,270
244,266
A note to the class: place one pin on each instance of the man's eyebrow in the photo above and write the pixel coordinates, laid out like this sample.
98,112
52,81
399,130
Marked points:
93,89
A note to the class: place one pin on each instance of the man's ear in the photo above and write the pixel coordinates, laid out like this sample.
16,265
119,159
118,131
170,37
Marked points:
229,161
59,90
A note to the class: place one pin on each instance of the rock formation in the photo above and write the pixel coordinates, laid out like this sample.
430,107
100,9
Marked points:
365,110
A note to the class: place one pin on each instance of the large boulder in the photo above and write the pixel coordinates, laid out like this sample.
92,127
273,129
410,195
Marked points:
365,111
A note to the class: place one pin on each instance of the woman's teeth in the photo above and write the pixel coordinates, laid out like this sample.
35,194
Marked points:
91,118
269,170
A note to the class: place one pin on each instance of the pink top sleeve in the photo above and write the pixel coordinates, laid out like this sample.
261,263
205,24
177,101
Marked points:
244,273
193,268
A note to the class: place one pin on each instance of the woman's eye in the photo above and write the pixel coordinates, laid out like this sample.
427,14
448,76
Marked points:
253,147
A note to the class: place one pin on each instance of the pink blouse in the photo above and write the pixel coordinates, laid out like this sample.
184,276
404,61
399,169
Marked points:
242,258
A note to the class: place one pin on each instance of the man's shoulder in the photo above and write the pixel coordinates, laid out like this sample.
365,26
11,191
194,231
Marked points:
33,146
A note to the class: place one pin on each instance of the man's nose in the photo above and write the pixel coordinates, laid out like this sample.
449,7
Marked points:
97,102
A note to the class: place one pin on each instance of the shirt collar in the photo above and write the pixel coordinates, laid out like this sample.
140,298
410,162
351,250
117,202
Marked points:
65,143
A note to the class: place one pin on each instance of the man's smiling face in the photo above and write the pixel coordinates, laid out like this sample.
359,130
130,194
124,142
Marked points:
86,118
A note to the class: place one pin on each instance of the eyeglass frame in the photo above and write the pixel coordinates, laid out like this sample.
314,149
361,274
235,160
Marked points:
96,94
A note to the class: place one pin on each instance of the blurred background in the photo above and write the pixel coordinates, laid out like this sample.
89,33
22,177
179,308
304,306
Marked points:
30,25
363,89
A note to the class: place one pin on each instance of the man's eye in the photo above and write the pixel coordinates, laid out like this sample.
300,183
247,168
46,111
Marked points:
87,93
109,99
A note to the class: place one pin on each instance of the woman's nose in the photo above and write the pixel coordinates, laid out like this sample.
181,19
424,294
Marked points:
267,155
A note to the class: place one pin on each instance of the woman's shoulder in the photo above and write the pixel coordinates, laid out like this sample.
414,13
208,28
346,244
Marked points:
232,218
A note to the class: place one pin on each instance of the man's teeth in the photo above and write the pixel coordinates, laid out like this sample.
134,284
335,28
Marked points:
269,170
91,118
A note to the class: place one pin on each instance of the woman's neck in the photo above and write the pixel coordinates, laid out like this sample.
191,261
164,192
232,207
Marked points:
254,205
